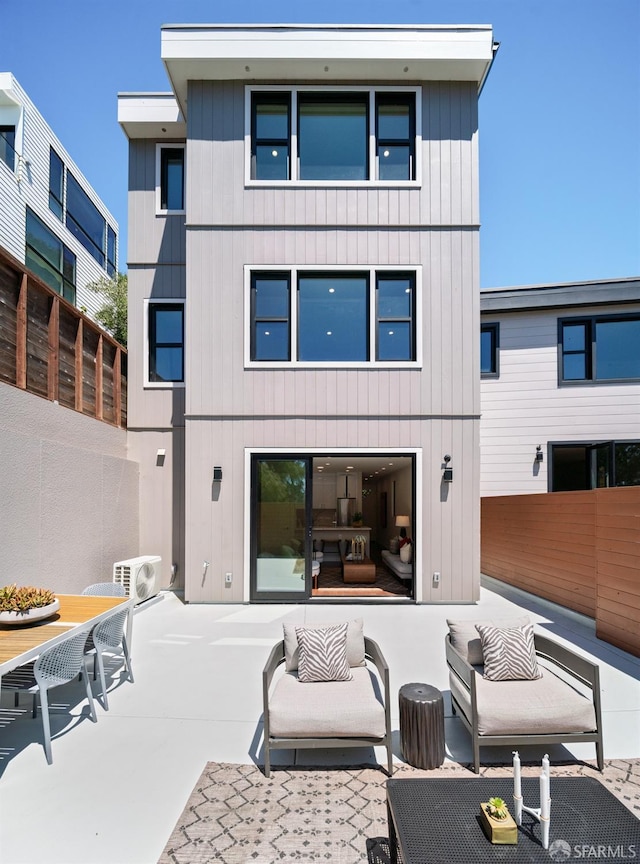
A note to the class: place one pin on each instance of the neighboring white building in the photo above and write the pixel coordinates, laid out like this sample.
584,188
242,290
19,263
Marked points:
560,387
304,300
51,218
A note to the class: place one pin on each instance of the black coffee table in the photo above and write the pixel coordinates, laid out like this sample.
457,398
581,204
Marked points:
437,822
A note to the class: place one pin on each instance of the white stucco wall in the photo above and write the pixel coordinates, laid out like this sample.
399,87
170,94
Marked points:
68,495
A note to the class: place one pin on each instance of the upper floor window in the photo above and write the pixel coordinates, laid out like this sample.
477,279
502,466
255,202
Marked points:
56,184
599,349
170,178
333,135
8,146
49,258
489,350
343,317
85,220
165,339
111,251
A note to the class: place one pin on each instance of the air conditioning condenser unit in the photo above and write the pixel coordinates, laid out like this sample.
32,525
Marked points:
140,576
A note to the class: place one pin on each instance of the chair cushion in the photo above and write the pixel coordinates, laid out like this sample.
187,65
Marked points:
355,643
335,709
546,705
509,652
323,654
466,639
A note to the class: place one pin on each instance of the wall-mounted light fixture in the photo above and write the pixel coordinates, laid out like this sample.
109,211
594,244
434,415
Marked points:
447,474
403,522
539,453
217,474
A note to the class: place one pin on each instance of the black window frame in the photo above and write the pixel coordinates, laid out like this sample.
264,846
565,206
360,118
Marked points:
66,266
165,151
494,329
381,276
112,252
595,450
263,97
314,97
396,98
260,275
153,344
74,221
589,322
8,147
56,196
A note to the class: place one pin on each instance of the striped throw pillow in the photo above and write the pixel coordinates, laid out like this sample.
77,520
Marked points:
323,654
509,653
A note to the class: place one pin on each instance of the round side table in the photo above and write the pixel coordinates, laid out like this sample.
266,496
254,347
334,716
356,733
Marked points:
422,725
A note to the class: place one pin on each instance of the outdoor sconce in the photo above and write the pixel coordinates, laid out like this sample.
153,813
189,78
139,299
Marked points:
539,453
447,474
217,474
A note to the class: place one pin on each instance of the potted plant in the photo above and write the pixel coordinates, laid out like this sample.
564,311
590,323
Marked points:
497,822
20,605
357,519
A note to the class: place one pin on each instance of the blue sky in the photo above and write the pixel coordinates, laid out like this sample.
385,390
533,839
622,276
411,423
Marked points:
559,115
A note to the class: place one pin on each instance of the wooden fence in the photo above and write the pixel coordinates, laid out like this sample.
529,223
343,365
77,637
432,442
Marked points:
48,347
579,549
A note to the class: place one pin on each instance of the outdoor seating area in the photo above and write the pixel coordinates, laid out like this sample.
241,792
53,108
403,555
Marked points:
193,725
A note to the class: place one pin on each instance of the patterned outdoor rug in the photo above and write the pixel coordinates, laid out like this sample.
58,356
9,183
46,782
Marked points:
236,816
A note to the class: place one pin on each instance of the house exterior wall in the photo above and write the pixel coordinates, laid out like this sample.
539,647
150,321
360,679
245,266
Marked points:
526,406
232,408
28,186
69,502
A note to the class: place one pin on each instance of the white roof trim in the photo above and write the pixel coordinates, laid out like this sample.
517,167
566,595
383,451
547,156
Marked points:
151,115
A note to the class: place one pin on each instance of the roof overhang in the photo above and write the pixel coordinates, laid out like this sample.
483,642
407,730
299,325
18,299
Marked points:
151,115
332,53
529,297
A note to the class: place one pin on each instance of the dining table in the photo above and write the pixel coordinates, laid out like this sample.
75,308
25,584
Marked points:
21,643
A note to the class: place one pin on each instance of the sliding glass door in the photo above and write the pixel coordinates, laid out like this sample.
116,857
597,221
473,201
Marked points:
281,528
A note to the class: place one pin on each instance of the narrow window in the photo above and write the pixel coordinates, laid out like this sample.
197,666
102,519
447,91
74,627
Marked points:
172,178
333,315
333,136
8,146
84,220
270,136
270,305
395,301
395,136
111,251
166,342
575,345
489,350
56,184
49,258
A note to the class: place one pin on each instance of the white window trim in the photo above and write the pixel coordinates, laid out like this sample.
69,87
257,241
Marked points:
292,452
293,155
167,145
293,271
160,385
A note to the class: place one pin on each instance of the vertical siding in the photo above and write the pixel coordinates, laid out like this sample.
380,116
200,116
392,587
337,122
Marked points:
525,406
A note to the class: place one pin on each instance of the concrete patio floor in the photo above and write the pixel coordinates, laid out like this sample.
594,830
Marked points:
116,788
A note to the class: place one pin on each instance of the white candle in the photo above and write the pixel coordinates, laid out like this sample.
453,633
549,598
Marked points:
544,796
516,775
545,764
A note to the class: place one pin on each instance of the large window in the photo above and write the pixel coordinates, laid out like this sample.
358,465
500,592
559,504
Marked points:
166,342
489,344
342,317
333,135
599,349
594,465
8,146
170,178
56,184
49,258
85,220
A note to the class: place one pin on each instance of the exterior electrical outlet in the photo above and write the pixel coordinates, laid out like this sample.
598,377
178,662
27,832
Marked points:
228,578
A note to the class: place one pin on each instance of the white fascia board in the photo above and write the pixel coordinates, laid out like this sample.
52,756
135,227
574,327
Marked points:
8,91
329,53
151,115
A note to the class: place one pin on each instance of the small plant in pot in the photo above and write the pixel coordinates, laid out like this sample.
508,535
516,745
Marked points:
357,519
21,604
497,809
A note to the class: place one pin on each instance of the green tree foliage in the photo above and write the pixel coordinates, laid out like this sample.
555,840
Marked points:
113,314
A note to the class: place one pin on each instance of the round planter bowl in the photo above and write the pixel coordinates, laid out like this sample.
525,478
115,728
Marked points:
39,613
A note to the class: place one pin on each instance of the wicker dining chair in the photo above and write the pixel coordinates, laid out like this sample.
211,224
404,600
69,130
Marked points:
56,666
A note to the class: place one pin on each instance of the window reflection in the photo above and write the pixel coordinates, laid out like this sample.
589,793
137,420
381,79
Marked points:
332,318
333,138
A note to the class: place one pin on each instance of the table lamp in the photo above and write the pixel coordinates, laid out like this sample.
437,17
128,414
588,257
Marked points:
403,522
